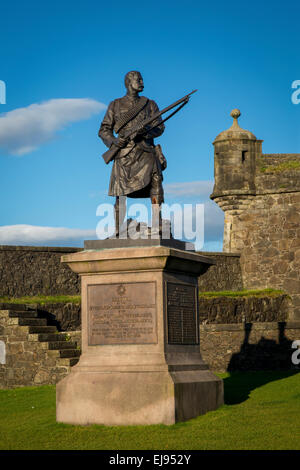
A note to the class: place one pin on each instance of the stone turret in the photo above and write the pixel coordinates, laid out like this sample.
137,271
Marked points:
236,152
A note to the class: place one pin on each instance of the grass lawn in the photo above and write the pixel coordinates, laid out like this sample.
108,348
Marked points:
261,411
42,299
244,293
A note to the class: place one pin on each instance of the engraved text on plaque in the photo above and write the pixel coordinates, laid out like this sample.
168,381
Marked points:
122,313
182,314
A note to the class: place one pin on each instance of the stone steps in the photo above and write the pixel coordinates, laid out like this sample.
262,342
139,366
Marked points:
49,337
61,345
32,321
73,361
42,329
72,353
17,307
23,314
39,331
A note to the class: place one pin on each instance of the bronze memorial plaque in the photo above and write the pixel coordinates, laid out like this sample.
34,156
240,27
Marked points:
122,313
182,314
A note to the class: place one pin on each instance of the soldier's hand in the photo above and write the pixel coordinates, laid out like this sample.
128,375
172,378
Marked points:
121,142
141,133
143,130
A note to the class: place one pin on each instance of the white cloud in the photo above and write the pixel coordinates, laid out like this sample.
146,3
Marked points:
43,236
199,192
213,225
25,129
191,189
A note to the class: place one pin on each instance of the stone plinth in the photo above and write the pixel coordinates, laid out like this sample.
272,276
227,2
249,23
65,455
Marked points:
140,361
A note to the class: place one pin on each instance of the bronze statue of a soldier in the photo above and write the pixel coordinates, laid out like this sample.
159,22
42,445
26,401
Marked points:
138,163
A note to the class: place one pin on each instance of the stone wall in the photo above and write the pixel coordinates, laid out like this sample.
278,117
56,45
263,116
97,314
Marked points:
66,316
277,173
33,355
225,274
260,195
252,338
244,346
29,271
249,346
244,309
268,237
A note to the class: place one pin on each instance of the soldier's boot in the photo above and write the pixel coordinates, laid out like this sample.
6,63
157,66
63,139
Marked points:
116,213
156,229
120,211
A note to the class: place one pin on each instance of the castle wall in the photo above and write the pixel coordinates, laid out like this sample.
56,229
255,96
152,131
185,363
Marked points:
260,196
244,309
268,237
250,346
224,347
235,333
32,270
225,274
277,173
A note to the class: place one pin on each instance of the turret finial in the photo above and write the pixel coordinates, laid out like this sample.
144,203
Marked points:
235,113
235,131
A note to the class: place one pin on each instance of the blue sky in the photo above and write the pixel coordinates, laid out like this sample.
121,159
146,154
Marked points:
52,174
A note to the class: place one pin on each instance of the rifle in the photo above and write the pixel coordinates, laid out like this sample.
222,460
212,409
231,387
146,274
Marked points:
110,154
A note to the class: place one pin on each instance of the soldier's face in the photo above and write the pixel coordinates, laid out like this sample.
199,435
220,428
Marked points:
137,83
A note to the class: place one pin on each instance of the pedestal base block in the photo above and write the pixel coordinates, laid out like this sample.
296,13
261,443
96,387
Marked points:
136,398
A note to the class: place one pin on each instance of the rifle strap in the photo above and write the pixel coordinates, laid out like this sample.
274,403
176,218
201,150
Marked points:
131,114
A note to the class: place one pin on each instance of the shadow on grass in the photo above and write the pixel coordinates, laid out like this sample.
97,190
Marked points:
239,385
265,361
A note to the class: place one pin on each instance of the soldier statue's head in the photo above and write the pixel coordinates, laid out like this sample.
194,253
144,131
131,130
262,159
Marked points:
134,82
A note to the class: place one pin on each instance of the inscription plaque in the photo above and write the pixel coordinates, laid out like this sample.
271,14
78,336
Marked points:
122,313
182,314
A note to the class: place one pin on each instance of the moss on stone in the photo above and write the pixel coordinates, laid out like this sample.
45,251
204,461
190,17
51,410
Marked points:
281,167
244,293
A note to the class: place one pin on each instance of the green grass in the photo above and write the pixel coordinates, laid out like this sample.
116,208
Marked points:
76,299
281,167
261,412
42,299
244,293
